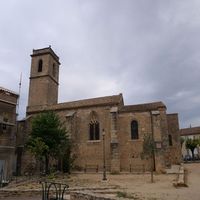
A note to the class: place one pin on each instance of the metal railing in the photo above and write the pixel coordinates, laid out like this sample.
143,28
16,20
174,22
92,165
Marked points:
53,190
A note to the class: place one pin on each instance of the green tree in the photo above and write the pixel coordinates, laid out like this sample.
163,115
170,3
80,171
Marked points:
191,144
149,151
66,158
38,148
48,138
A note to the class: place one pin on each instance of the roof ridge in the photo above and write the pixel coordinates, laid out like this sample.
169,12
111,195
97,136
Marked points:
95,98
191,128
98,101
7,90
151,103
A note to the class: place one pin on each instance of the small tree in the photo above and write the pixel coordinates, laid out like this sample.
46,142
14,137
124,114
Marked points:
149,151
38,148
191,144
66,158
48,138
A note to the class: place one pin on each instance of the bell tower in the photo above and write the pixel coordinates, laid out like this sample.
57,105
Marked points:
44,75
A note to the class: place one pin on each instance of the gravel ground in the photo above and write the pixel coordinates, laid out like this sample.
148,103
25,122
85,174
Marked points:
23,198
135,185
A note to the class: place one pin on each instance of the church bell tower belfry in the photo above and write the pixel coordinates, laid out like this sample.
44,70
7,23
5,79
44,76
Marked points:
44,75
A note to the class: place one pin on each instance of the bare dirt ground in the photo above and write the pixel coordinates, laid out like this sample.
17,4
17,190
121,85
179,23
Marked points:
137,186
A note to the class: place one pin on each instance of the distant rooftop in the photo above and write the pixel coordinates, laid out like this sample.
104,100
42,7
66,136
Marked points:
9,91
190,131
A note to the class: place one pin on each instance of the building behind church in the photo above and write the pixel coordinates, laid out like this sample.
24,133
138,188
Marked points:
8,104
190,133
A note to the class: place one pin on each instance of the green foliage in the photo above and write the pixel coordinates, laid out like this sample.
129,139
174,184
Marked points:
48,138
48,127
68,158
37,147
192,144
148,146
125,195
149,149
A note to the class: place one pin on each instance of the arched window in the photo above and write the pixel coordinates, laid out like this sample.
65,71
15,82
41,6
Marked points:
94,127
40,65
54,70
170,140
134,130
94,131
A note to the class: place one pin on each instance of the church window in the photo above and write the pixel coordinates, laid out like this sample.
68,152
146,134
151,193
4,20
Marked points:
94,127
54,70
134,130
40,65
94,131
170,140
4,126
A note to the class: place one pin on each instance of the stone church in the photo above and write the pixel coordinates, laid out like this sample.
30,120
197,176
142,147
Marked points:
86,120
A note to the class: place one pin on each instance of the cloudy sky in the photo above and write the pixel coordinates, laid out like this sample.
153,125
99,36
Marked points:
149,50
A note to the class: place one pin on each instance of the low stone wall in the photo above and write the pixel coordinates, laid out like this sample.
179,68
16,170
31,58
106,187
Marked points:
88,196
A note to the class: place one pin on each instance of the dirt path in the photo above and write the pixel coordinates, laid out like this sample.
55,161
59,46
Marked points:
140,185
137,185
163,188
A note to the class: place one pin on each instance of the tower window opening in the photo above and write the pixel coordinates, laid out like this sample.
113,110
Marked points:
40,65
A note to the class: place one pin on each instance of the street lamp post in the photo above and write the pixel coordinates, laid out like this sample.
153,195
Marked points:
104,156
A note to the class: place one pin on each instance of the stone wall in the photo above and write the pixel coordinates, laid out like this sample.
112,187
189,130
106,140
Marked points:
122,153
88,152
174,151
130,150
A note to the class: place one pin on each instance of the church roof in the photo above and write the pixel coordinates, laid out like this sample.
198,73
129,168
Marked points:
143,107
99,101
190,131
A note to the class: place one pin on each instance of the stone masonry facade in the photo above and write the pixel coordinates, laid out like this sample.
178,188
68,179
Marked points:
85,120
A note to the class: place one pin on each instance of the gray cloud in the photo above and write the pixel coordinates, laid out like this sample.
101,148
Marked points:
148,50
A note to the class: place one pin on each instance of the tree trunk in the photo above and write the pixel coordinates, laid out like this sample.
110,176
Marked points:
152,168
192,150
47,164
60,164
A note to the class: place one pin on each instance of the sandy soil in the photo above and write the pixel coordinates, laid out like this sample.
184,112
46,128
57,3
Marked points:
141,187
138,186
